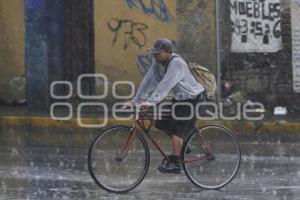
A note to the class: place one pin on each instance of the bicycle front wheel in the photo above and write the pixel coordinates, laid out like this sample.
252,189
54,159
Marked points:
117,160
214,159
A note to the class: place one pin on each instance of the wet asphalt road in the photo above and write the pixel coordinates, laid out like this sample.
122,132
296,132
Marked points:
39,171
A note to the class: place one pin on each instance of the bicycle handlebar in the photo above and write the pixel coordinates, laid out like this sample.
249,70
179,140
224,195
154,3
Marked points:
135,106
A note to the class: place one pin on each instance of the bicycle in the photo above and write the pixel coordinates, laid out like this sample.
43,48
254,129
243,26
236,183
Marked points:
119,157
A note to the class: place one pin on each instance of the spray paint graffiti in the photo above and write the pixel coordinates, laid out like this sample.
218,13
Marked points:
133,32
156,8
295,15
144,62
256,25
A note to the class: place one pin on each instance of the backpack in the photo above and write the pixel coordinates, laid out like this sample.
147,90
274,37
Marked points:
205,78
202,76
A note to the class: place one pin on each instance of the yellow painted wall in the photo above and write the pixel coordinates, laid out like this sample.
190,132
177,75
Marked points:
12,62
112,59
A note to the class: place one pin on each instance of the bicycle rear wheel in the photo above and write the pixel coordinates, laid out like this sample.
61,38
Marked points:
214,159
114,169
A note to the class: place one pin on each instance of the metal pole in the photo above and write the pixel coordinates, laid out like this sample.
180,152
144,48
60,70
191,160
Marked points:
219,48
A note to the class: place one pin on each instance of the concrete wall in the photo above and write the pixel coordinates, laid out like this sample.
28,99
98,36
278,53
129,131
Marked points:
196,39
266,76
12,67
124,30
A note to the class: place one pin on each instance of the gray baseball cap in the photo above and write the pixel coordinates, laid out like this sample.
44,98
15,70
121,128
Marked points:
159,44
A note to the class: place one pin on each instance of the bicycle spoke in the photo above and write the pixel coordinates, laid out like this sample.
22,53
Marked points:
193,165
221,151
106,153
106,162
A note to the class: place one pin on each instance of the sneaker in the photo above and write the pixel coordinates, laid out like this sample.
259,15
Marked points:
188,149
172,166
164,161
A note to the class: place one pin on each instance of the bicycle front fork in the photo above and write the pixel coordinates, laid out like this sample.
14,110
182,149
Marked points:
130,140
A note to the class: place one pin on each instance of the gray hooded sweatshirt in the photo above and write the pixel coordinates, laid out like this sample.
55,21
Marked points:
178,79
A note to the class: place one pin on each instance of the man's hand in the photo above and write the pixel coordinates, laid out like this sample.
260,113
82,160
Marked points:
127,104
145,105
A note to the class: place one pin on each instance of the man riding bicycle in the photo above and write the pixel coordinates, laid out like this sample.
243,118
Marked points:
173,75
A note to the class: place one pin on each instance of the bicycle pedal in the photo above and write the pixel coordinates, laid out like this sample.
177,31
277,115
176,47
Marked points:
211,158
118,158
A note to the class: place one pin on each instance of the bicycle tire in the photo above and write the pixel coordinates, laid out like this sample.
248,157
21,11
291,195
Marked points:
214,158
98,179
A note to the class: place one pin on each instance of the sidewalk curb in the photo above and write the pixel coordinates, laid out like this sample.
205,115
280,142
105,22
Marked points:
236,126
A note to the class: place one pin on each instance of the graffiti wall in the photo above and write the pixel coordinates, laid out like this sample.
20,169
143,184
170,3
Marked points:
295,15
125,29
256,25
263,74
12,67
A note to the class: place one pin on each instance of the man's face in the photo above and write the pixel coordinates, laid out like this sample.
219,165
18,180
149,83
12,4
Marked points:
161,57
